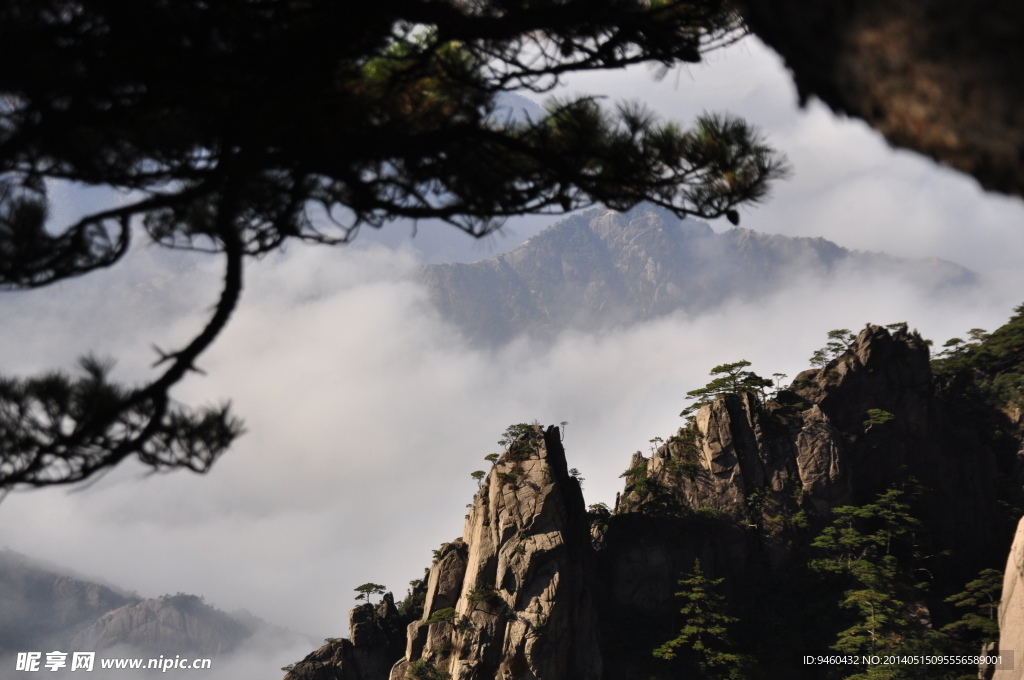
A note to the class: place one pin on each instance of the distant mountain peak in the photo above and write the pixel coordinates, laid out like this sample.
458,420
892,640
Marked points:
41,605
38,603
165,624
603,268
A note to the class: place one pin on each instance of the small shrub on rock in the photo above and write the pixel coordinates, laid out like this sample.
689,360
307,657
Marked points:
421,669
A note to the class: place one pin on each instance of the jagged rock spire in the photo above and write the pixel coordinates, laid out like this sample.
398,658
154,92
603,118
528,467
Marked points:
511,600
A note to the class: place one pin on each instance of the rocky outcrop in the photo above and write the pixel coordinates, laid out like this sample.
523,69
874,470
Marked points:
512,599
174,624
868,421
747,486
937,76
1011,609
602,268
375,641
537,588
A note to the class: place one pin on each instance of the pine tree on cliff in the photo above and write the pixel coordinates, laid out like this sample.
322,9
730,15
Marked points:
839,341
980,598
729,379
367,590
235,127
873,549
706,629
869,546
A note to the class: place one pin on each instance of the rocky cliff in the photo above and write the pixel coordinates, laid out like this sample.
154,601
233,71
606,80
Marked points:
816,446
376,640
537,588
748,485
1011,609
512,598
602,268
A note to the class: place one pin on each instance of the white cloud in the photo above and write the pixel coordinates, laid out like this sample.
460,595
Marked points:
848,185
366,414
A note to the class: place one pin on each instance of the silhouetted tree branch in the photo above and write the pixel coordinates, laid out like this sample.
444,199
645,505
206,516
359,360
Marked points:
238,125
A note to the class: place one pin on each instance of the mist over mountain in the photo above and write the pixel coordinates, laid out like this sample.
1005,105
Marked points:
601,269
881,476
166,625
42,608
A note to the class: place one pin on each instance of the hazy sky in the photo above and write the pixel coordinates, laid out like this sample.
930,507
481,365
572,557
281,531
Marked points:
366,414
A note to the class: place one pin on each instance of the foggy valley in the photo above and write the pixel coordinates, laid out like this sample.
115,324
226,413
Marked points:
373,378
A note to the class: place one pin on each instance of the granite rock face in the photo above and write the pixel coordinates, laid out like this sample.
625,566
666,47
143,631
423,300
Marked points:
1011,608
373,645
748,485
537,588
817,447
512,599
601,269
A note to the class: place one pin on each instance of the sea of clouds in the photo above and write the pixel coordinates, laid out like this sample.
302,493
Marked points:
366,414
